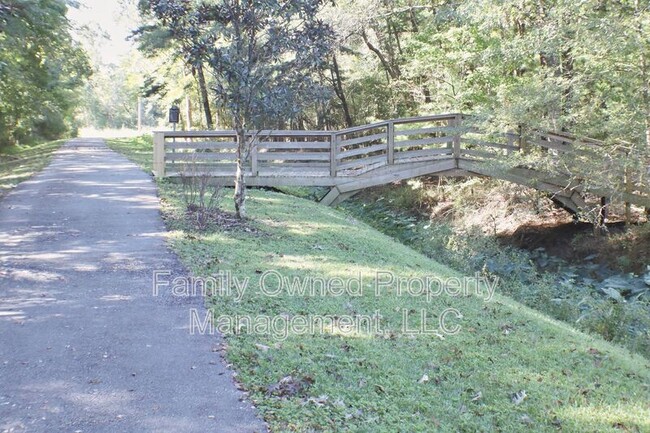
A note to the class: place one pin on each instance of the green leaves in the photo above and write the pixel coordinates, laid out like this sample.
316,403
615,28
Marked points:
41,70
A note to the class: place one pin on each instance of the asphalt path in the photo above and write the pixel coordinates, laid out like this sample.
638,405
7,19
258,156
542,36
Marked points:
85,346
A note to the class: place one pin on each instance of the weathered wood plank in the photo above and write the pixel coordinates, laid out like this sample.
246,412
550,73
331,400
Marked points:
423,141
421,131
198,134
200,145
342,197
293,156
405,154
456,146
311,145
356,163
333,154
300,165
422,119
201,156
361,151
406,173
360,140
356,129
292,133
330,196
390,151
159,154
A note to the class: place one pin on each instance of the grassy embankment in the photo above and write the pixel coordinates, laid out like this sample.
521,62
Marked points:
389,381
19,163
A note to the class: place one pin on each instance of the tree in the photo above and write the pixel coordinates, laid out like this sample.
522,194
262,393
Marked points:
41,71
177,25
263,54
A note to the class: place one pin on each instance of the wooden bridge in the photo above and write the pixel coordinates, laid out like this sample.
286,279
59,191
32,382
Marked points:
350,160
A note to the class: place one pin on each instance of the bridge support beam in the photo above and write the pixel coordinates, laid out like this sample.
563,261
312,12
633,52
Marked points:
336,197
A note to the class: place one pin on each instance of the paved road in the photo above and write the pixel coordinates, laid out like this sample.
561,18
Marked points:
84,344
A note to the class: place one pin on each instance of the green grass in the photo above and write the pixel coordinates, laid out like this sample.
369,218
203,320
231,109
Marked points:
138,150
19,163
371,381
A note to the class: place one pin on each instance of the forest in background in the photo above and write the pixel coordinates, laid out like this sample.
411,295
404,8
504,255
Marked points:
42,70
559,64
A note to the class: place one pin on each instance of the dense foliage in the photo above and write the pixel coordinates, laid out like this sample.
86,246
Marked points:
41,70
558,64
555,64
262,55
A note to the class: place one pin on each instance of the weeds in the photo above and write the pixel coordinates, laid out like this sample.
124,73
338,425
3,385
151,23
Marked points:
565,292
200,196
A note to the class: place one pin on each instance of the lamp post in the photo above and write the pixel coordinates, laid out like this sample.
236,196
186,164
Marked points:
174,115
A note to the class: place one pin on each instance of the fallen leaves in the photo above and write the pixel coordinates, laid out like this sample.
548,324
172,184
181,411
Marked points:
518,397
262,347
317,401
526,419
290,386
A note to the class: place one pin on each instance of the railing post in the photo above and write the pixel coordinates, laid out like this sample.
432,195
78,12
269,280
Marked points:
511,142
333,153
390,151
523,144
457,121
159,154
254,162
628,189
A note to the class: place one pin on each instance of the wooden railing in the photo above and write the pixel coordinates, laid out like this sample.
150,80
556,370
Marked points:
333,158
344,153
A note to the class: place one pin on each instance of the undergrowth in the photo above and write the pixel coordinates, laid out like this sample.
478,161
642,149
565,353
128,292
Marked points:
566,292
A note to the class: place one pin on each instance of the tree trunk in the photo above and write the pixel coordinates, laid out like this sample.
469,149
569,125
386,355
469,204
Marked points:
393,73
340,93
203,88
645,95
140,112
566,67
240,183
427,94
188,113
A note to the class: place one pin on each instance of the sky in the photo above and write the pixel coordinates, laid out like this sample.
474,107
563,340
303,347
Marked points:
115,17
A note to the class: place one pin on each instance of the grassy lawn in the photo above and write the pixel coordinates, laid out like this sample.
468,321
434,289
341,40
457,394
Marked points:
509,368
19,163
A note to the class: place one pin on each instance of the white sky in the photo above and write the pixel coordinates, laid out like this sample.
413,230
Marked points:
115,17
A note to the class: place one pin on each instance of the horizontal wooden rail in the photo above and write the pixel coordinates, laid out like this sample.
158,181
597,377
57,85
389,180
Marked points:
446,143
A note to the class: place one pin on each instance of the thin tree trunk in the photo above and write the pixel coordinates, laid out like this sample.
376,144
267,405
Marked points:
140,112
203,88
338,89
392,72
240,181
188,113
645,93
